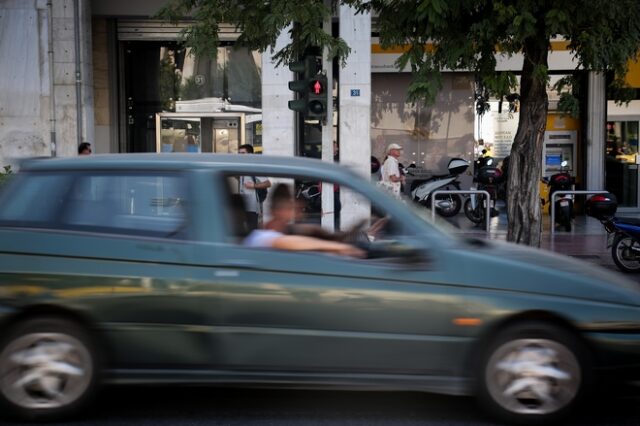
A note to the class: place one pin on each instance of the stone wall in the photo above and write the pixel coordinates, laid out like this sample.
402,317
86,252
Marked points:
25,78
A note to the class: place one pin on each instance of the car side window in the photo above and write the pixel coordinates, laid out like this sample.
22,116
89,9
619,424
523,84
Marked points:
264,224
143,204
37,202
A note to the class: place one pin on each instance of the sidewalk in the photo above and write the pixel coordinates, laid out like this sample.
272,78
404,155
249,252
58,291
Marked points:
587,240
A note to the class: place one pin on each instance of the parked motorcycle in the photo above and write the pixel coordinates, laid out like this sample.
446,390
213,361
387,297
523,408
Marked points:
447,205
562,181
310,195
487,178
623,232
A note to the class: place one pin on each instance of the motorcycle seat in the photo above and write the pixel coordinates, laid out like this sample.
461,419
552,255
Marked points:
628,220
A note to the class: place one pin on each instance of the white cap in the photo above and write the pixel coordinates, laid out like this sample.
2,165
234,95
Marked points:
393,146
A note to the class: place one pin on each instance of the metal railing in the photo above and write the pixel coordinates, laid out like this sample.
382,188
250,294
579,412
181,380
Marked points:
573,192
487,214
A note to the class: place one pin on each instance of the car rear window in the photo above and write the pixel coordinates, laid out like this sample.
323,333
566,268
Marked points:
35,199
112,202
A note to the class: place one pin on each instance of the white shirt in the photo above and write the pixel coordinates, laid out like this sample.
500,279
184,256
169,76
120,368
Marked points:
261,238
391,168
249,195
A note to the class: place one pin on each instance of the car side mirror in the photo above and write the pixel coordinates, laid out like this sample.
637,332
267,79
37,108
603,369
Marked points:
398,253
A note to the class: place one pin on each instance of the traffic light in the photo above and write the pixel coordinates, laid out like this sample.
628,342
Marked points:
311,88
317,97
305,69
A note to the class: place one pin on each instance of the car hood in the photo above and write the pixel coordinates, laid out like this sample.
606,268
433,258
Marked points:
507,266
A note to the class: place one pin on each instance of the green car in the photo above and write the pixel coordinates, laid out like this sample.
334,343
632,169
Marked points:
136,268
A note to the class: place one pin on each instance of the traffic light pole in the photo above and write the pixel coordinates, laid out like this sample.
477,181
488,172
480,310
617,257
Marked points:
328,213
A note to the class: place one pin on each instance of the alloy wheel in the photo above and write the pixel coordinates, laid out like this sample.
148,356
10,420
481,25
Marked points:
45,370
533,376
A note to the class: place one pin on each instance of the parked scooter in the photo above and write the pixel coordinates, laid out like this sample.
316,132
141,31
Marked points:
562,181
624,232
309,193
487,178
447,205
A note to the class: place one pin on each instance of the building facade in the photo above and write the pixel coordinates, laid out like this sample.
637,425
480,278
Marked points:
110,74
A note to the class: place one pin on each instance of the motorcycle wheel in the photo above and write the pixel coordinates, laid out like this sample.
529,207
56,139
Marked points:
623,254
454,209
474,215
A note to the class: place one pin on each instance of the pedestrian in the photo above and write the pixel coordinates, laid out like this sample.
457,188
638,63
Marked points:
392,178
84,148
253,190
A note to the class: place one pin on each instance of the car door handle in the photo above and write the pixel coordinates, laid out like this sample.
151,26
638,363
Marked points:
240,263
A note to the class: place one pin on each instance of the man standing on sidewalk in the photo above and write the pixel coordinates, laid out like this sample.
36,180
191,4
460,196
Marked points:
248,187
392,179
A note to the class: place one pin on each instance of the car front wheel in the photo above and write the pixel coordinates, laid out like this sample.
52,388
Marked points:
48,369
533,373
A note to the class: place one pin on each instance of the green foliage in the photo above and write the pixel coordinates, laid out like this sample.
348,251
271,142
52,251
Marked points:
465,34
5,174
568,89
169,84
260,23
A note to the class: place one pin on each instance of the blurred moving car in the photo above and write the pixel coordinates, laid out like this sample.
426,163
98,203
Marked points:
131,269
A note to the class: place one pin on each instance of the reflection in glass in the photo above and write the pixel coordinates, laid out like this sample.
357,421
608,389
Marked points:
233,75
621,161
180,135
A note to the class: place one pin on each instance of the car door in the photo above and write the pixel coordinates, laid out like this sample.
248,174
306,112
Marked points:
117,246
320,313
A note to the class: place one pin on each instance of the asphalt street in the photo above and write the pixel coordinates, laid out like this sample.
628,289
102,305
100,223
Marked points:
170,405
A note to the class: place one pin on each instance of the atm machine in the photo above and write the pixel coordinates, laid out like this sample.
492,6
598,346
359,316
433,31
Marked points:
559,146
208,125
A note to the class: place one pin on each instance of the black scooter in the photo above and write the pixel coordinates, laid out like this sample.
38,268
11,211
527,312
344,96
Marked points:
562,181
487,178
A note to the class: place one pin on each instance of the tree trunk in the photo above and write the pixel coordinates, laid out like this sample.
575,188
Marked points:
525,164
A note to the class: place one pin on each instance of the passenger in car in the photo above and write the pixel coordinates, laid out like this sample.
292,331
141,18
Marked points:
274,234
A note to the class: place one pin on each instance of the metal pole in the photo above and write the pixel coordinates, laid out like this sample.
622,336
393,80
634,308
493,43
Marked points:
52,98
76,35
328,207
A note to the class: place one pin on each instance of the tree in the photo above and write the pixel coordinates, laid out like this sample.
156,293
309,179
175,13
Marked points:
467,34
455,34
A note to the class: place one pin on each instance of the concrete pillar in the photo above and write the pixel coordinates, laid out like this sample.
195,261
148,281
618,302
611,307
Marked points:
355,107
278,125
71,79
38,83
596,131
24,81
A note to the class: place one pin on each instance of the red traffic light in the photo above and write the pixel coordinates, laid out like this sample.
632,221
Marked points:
317,88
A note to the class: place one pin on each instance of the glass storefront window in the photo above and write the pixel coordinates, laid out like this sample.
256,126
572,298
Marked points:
621,171
180,135
164,77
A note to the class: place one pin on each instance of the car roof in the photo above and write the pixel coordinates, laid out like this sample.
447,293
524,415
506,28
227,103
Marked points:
175,161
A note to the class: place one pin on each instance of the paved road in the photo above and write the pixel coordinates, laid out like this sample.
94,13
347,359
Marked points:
159,406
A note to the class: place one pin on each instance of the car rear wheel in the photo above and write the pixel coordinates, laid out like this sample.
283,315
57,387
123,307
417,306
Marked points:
533,373
48,369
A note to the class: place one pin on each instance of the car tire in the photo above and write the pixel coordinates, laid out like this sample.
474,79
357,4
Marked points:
533,373
48,369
